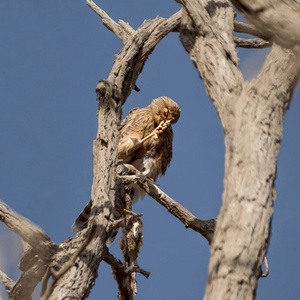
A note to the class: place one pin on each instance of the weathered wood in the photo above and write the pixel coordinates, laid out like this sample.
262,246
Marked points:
7,282
251,43
242,27
112,93
206,32
251,115
278,20
204,227
244,224
39,253
34,270
28,232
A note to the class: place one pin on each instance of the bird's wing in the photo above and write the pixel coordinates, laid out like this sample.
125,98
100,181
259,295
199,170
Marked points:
134,127
128,119
138,123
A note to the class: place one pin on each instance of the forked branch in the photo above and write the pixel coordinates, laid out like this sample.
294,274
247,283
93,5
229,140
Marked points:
117,29
121,268
204,227
277,20
28,232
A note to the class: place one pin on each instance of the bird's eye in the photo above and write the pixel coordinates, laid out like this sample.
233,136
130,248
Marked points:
166,111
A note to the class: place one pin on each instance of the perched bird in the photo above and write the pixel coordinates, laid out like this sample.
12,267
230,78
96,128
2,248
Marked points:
145,141
146,137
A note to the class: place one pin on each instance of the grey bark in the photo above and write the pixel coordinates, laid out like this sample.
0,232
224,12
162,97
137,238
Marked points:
278,20
251,115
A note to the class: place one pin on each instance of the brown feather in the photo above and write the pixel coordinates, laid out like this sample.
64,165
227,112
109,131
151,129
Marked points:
139,123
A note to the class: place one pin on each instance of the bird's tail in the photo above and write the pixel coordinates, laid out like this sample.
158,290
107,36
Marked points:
82,221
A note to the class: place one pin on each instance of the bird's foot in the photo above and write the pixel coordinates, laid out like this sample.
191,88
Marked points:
163,125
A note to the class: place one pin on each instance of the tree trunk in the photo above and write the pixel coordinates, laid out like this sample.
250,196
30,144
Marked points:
244,224
251,115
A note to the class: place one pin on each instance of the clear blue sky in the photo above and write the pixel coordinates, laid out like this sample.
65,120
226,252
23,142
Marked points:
52,55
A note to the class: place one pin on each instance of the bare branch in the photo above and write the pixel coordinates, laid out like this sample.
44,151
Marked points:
123,268
33,271
29,232
132,213
68,265
278,20
251,43
204,227
130,60
163,27
120,31
206,34
45,282
249,29
127,27
280,69
112,93
7,282
124,274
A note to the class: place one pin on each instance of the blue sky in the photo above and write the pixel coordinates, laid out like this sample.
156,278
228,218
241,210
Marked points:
52,55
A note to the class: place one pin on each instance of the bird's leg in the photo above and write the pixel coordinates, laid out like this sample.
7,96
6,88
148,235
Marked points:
163,125
147,172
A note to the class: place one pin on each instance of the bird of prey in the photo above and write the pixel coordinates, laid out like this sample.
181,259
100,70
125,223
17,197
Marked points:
146,138
145,141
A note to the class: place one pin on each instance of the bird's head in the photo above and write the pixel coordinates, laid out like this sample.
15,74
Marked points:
165,108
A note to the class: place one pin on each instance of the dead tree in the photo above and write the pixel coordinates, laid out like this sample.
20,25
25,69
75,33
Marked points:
251,115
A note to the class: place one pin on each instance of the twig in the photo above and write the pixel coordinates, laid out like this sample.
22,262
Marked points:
132,213
127,27
240,27
251,43
123,268
248,29
120,31
57,274
45,281
204,227
266,273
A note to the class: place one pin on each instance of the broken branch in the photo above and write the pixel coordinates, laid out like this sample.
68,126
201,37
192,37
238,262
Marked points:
29,232
123,268
120,31
7,282
204,227
251,43
248,29
57,274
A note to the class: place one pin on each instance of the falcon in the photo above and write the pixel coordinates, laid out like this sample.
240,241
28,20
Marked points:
146,137
145,141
